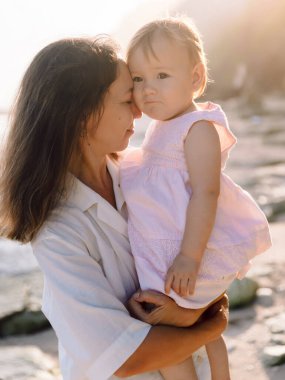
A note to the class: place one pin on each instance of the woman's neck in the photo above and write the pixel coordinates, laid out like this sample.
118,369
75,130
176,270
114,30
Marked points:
94,174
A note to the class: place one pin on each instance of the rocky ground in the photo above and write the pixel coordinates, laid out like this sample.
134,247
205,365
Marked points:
256,333
255,336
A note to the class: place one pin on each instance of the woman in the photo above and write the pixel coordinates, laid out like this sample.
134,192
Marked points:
60,190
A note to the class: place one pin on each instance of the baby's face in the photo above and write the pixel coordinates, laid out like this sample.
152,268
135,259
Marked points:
163,81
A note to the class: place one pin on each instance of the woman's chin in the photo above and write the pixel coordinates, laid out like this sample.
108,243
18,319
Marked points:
124,145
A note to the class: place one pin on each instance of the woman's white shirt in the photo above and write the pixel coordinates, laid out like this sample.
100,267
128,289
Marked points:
89,274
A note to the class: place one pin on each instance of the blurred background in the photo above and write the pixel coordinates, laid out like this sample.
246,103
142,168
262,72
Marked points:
244,41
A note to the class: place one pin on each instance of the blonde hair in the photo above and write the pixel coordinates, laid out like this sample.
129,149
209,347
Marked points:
178,29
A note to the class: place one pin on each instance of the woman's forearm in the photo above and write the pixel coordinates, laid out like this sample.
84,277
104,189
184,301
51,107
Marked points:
174,345
162,340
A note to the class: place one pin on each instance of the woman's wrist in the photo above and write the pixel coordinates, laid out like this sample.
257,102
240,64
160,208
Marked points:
182,317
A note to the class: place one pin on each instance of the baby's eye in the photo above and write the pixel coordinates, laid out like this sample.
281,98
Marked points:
137,79
162,75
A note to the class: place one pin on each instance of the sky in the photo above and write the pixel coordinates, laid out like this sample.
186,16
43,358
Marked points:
26,26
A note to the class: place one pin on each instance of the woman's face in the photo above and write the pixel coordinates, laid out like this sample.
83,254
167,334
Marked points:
116,125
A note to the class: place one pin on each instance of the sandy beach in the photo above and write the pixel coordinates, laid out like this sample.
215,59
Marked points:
248,333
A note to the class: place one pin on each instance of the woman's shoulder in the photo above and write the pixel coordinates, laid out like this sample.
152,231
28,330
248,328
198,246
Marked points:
63,223
67,220
66,232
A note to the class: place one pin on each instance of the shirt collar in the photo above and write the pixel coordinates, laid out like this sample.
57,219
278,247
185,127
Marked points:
82,197
113,167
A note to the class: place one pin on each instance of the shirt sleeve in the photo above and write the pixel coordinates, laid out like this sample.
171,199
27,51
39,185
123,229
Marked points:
93,327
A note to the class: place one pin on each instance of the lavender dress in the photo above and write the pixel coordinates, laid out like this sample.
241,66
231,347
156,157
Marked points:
156,187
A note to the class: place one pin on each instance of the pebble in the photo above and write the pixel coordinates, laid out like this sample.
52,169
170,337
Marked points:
274,355
242,292
265,297
20,304
278,339
22,323
281,289
239,315
269,313
277,324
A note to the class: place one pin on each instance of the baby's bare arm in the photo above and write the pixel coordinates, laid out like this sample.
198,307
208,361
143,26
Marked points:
203,158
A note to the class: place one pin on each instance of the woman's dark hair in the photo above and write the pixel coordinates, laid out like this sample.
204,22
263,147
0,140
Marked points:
65,83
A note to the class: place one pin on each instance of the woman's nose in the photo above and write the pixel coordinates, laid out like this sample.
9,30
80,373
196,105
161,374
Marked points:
135,110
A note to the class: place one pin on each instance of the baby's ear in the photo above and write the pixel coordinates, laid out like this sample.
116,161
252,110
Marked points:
198,76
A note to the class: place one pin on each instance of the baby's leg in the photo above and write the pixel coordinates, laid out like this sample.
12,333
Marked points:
182,371
218,358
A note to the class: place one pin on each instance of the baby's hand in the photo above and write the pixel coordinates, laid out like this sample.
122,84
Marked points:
181,276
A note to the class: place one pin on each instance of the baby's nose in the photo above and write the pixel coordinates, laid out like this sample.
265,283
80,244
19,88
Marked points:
148,88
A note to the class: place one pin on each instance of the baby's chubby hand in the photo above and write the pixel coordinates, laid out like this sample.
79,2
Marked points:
181,276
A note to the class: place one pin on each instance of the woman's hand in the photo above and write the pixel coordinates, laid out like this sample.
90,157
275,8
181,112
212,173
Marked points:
164,339
167,312
154,308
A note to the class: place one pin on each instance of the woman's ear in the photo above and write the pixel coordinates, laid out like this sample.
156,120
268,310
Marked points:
198,76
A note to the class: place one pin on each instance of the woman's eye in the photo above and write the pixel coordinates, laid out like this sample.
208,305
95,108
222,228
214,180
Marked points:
162,76
137,79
